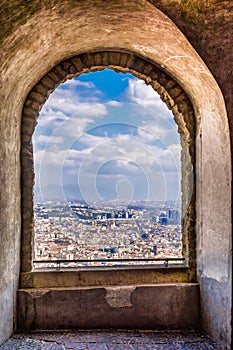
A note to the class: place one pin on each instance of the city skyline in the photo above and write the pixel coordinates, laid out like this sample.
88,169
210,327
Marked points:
80,236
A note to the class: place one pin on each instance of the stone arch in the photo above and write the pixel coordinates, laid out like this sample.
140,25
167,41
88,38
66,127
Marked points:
170,92
61,30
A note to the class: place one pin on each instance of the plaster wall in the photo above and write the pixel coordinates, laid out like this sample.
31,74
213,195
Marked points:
163,306
55,33
9,216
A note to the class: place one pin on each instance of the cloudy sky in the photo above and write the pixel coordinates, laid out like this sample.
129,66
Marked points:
106,136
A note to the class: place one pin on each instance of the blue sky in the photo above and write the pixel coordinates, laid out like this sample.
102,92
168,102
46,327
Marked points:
105,136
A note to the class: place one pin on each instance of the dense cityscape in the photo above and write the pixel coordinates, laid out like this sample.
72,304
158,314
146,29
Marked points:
113,234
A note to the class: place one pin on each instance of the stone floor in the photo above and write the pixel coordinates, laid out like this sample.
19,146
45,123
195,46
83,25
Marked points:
109,340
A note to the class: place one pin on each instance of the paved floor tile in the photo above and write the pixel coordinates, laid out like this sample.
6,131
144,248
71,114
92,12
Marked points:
110,340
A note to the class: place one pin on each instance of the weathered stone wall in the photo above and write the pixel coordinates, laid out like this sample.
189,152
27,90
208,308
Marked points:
208,25
163,306
37,35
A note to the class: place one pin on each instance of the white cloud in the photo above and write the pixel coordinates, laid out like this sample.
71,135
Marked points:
93,110
142,94
113,103
159,132
50,157
171,158
65,102
73,83
44,139
91,141
122,151
51,119
73,126
78,125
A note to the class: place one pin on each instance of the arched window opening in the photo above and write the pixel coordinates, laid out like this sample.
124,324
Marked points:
107,160
80,130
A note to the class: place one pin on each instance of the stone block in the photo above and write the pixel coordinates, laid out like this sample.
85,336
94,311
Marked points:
161,306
